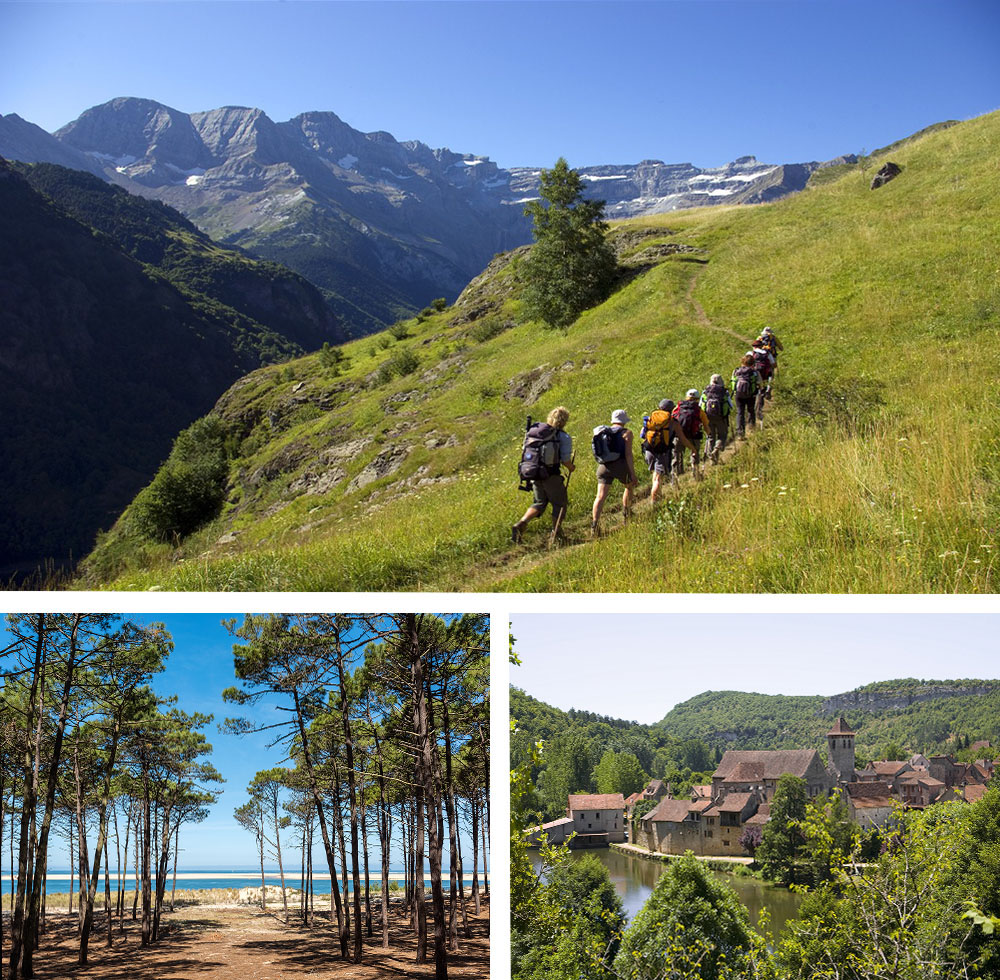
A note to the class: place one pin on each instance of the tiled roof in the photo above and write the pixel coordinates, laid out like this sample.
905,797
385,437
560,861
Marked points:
699,806
860,791
974,793
871,802
597,801
867,795
634,798
702,790
758,819
888,767
556,823
775,763
653,786
915,777
735,802
841,728
746,772
669,811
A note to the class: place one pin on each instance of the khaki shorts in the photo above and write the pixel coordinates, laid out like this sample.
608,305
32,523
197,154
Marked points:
615,470
549,491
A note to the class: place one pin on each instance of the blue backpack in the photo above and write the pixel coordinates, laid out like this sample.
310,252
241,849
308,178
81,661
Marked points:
609,444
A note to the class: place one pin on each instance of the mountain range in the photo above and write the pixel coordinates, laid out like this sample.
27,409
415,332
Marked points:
382,227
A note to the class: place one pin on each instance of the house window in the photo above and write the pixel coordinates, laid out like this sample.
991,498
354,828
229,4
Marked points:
708,834
725,843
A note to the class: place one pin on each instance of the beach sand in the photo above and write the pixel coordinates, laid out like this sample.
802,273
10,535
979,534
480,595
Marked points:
234,942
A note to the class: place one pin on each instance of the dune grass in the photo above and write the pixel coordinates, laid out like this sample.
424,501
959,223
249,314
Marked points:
877,470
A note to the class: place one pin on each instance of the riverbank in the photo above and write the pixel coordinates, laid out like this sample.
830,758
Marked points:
232,942
643,852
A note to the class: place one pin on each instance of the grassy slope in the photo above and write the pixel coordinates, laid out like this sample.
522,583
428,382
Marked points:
877,471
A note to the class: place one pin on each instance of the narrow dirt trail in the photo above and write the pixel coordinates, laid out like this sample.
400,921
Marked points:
534,553
701,317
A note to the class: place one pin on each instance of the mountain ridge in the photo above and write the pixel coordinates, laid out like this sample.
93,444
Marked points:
381,226
122,323
762,721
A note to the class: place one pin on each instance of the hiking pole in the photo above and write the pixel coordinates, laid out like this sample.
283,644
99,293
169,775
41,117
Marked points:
562,513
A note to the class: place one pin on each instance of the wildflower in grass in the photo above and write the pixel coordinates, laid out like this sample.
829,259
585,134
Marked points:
744,486
948,554
728,486
782,493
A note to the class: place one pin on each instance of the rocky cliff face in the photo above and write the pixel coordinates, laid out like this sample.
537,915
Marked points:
889,699
381,226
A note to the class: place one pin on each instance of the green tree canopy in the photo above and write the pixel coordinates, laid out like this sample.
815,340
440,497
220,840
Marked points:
692,924
571,267
782,842
619,772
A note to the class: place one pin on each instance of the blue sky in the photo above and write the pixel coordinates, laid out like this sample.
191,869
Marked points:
197,671
525,82
638,667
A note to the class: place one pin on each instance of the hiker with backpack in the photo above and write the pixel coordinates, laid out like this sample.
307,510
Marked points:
746,384
694,423
613,452
659,434
717,406
547,448
765,363
771,342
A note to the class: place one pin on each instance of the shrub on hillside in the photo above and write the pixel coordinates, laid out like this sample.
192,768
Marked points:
190,486
488,328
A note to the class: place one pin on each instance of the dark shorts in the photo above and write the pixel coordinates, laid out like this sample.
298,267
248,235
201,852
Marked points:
659,462
550,491
615,470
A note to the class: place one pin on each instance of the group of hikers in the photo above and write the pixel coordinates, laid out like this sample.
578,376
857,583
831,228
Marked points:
668,432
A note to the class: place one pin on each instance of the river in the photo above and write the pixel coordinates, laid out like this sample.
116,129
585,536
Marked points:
634,878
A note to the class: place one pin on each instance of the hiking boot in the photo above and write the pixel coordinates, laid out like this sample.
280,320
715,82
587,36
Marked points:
515,533
595,530
767,394
626,516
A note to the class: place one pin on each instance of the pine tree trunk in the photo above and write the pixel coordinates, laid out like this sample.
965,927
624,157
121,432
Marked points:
321,817
29,797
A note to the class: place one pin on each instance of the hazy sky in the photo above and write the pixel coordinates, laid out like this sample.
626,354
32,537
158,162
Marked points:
638,667
526,82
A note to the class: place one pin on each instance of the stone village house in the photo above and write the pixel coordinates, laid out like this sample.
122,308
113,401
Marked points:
596,820
744,784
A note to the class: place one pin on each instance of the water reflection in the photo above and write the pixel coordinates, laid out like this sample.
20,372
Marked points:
634,878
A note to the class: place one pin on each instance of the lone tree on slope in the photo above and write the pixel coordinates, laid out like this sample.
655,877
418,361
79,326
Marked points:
571,267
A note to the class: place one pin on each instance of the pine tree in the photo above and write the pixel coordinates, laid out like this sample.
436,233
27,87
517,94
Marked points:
571,267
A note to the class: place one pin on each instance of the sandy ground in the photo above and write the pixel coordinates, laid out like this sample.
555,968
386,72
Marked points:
237,943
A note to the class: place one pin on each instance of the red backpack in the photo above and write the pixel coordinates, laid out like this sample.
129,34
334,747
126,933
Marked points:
763,364
688,413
